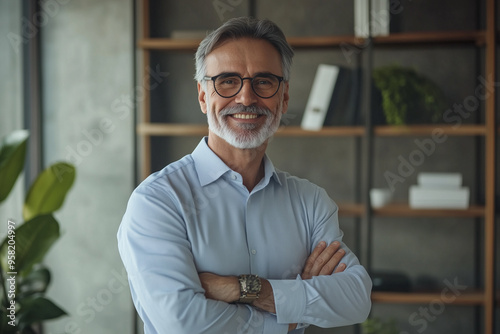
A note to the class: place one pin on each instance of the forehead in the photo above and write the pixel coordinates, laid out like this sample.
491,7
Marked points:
245,56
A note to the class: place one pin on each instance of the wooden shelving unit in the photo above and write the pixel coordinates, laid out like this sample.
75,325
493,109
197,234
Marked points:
485,39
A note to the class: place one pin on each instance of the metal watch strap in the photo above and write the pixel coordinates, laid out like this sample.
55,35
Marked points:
250,286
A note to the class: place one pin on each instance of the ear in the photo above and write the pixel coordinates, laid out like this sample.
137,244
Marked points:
202,99
286,97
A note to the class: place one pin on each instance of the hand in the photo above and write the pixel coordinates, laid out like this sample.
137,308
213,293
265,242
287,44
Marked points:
323,260
223,288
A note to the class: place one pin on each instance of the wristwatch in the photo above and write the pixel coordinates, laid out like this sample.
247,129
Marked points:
250,286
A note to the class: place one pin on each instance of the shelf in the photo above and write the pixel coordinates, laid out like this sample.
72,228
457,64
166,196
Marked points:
477,37
351,209
404,210
175,44
166,129
326,131
466,298
169,129
429,130
323,41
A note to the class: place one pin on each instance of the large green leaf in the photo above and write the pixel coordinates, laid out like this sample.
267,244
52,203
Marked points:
36,282
12,154
32,241
36,310
47,193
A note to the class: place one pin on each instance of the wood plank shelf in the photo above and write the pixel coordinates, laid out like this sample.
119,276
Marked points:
401,39
404,210
465,298
351,209
326,131
477,37
168,129
429,130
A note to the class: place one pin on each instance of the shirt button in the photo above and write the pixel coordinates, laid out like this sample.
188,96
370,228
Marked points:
254,251
234,177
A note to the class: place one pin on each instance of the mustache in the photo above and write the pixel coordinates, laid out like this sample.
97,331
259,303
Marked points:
245,109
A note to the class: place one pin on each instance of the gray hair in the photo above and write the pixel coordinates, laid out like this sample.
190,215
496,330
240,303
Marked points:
245,27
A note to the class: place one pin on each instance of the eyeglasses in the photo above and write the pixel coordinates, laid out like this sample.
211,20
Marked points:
227,85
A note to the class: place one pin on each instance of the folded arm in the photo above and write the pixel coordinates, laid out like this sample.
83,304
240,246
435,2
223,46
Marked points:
164,281
324,260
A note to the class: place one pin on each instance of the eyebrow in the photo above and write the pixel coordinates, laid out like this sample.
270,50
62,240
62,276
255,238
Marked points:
255,75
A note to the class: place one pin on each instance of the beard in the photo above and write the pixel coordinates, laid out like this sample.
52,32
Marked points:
246,135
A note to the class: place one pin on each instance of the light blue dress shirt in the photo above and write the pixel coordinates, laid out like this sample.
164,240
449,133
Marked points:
196,216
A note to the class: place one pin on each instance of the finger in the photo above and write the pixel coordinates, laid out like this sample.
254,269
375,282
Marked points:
340,268
334,261
324,258
306,272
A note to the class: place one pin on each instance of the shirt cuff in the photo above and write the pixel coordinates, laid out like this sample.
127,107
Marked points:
271,326
289,299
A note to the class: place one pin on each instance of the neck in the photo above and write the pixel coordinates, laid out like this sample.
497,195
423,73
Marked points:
247,162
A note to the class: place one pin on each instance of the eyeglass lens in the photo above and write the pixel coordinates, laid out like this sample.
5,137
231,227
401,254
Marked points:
229,85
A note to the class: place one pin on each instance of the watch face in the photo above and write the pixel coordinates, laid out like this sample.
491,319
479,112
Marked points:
253,284
250,286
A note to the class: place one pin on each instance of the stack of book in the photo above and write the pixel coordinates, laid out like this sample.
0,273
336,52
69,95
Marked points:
439,191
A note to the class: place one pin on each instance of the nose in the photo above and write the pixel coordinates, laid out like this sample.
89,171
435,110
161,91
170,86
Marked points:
246,96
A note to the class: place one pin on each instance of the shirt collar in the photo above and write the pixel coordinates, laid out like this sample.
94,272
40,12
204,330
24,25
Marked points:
210,167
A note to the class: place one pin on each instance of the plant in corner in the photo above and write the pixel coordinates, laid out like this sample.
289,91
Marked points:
408,97
378,326
24,279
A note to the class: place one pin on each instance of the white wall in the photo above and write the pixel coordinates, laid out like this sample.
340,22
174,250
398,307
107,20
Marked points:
87,85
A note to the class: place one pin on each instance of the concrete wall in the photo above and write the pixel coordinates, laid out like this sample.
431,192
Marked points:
87,86
10,97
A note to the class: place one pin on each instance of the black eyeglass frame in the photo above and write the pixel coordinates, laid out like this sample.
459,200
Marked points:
280,79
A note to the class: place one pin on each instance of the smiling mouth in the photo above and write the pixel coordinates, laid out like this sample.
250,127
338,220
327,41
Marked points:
245,116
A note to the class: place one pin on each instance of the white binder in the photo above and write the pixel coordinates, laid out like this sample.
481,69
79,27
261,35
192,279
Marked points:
320,97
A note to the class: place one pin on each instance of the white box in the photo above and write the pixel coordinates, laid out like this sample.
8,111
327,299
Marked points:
439,198
440,180
320,97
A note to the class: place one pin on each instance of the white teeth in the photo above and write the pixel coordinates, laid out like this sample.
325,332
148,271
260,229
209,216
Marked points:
245,116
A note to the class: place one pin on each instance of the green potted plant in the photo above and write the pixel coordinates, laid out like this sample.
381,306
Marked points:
378,326
23,278
408,97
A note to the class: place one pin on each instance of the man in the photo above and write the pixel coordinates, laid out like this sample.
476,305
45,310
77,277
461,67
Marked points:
222,242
